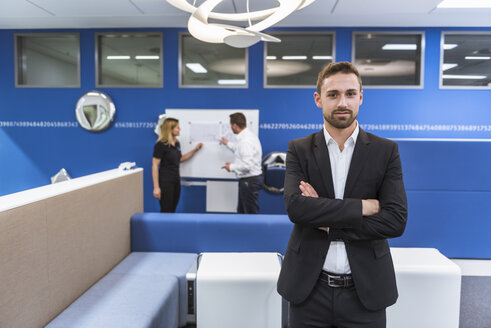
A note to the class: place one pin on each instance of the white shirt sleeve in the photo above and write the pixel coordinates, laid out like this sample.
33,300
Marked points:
232,146
244,158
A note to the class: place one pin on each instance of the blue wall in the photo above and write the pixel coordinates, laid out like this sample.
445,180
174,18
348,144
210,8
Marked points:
448,182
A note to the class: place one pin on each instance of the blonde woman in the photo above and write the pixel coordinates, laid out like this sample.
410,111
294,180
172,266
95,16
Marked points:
165,165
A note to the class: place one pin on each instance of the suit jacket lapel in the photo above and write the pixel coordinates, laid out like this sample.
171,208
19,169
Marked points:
359,154
321,155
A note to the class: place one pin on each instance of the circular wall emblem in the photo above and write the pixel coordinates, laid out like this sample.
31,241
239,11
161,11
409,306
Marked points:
95,111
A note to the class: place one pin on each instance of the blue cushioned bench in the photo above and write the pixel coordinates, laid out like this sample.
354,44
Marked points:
148,288
165,264
144,290
198,233
124,300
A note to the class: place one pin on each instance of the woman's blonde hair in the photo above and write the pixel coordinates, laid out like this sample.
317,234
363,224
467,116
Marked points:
166,135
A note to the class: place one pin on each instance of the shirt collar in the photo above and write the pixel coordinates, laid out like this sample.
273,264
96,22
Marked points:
242,134
351,139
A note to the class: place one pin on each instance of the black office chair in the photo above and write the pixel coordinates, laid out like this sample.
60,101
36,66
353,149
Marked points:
274,168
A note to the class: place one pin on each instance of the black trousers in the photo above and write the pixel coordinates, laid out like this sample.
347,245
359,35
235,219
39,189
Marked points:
330,307
170,193
249,195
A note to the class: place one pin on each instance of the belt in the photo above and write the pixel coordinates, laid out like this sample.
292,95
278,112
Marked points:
336,280
251,177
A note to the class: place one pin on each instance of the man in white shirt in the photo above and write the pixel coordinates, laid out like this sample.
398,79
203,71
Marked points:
345,195
247,164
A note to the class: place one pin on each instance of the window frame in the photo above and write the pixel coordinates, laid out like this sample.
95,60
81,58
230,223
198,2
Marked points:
96,64
197,86
17,62
284,32
422,58
440,69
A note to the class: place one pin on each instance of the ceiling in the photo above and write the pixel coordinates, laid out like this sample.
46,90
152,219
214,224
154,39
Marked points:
42,14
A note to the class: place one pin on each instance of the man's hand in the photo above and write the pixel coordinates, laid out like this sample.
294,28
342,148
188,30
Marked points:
307,190
226,166
224,140
198,146
369,207
157,193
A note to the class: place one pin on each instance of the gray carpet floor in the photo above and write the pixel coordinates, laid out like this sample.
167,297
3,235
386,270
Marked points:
475,302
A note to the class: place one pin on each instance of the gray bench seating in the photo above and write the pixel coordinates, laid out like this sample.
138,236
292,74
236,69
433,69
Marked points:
125,302
144,290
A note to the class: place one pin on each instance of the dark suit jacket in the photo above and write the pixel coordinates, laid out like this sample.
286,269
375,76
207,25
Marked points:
375,172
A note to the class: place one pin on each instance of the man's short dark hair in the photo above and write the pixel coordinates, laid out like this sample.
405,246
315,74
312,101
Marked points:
239,119
334,68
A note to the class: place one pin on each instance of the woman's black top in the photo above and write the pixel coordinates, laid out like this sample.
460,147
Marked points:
170,157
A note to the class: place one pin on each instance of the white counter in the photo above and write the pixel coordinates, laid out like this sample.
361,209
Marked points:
238,290
429,290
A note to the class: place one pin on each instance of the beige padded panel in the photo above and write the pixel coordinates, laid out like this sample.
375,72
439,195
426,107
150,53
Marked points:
23,267
53,250
89,233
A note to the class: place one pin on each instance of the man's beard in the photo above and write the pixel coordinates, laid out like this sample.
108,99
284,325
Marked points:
340,122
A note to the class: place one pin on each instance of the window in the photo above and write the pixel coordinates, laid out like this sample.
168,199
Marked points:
210,65
129,60
465,60
389,59
47,60
297,59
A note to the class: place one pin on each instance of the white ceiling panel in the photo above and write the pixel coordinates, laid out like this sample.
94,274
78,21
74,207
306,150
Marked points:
158,13
255,5
83,8
92,22
378,8
224,7
156,7
20,8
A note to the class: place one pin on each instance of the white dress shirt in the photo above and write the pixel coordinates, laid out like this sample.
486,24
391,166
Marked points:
248,155
337,259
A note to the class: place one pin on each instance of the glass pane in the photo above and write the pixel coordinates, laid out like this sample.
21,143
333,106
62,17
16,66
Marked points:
388,59
48,60
298,58
467,60
130,59
209,64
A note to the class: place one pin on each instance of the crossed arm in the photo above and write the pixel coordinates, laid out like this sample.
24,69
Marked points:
368,206
348,219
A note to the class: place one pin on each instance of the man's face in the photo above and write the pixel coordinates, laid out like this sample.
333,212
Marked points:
235,128
339,99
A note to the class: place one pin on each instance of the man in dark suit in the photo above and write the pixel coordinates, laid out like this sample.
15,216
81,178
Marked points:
345,195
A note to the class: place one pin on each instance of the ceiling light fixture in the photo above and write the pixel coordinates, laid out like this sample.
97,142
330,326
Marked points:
477,57
465,4
294,57
321,57
449,66
449,46
235,36
395,46
231,82
196,68
118,57
147,57
465,77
